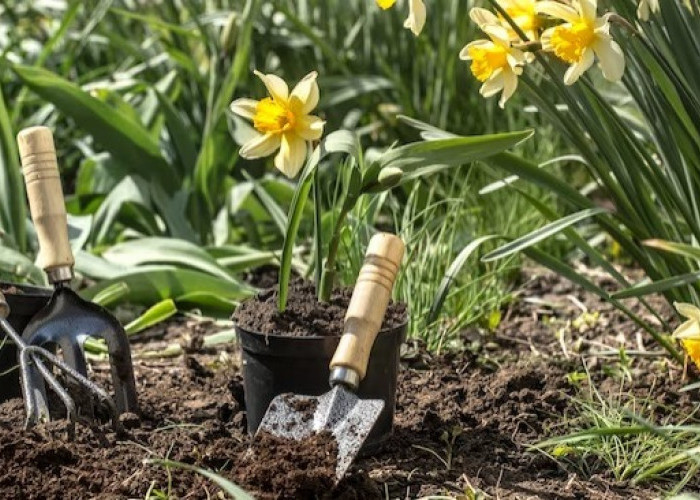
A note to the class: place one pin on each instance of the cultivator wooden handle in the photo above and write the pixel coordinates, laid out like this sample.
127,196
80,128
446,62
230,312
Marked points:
40,169
368,304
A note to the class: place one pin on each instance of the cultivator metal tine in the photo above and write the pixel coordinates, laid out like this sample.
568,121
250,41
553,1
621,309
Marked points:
34,414
88,385
36,406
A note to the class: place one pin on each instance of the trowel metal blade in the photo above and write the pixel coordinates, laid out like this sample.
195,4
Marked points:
349,418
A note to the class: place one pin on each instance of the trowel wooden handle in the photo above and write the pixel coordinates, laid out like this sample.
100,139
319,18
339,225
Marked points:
368,304
40,169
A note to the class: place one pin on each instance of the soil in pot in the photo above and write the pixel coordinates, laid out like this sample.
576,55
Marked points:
305,316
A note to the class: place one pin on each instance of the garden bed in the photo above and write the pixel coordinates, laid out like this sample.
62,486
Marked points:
464,421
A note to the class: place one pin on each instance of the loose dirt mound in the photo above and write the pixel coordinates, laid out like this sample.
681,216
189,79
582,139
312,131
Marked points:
290,468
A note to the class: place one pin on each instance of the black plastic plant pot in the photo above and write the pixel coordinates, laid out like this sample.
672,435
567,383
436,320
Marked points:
274,365
24,304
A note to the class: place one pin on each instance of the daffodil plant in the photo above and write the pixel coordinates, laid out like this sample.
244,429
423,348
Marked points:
635,126
286,127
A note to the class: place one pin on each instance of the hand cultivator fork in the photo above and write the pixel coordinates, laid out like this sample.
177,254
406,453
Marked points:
31,355
67,320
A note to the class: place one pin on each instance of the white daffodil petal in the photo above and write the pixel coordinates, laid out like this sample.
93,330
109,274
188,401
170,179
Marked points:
416,17
292,154
589,9
493,85
276,87
558,10
261,146
546,40
576,70
483,17
306,91
244,107
310,128
687,310
688,330
498,33
611,59
510,84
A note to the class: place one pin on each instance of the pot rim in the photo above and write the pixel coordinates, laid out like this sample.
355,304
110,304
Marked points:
29,291
400,326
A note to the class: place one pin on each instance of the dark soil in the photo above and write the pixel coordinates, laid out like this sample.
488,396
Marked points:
304,315
292,468
12,290
306,407
463,422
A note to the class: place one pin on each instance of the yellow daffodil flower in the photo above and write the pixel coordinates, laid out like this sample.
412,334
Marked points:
583,37
494,62
689,332
646,7
416,14
283,121
524,14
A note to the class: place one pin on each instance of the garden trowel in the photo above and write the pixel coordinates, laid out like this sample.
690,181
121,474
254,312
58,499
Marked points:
339,411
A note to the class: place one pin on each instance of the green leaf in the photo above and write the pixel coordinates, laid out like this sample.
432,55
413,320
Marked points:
150,285
20,267
657,286
153,315
180,135
677,248
127,140
13,213
111,295
165,251
540,234
420,159
235,491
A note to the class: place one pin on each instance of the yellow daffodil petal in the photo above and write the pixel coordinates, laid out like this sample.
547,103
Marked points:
692,347
306,92
588,8
291,156
524,15
687,310
416,16
276,87
244,107
261,146
386,4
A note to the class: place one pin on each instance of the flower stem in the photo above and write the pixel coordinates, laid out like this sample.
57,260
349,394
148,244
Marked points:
329,273
318,236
